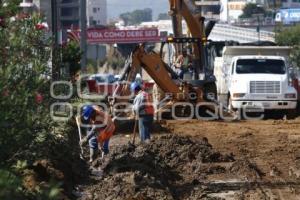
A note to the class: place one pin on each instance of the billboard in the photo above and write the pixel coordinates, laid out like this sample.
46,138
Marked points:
121,36
287,16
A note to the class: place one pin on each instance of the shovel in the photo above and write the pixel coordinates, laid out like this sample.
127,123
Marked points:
132,144
80,137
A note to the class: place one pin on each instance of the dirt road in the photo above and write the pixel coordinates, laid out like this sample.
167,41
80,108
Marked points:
272,146
226,160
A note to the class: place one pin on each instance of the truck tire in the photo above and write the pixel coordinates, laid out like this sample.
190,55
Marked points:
210,92
229,103
275,114
238,112
291,114
210,95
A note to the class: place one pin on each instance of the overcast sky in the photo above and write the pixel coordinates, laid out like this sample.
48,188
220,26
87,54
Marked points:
116,7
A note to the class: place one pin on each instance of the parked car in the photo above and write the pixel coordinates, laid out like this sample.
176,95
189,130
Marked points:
105,84
102,84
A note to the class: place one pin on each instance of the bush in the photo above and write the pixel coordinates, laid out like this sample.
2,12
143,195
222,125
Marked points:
71,56
24,88
290,37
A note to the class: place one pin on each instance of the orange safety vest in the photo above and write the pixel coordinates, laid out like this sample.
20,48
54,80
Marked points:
106,133
147,105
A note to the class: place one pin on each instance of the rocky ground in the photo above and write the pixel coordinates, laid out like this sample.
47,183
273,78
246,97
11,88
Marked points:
203,160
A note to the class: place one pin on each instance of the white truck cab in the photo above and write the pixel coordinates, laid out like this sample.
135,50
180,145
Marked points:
260,82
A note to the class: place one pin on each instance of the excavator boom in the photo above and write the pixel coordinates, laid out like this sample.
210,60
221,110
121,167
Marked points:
159,71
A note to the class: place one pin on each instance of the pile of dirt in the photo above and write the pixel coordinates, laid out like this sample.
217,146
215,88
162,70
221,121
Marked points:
167,168
246,169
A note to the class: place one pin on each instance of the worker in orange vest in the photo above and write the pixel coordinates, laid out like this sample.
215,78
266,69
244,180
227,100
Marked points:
101,128
144,110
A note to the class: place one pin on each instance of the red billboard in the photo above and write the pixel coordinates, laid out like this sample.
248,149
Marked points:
122,36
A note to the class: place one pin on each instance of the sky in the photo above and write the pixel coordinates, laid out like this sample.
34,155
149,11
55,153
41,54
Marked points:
116,7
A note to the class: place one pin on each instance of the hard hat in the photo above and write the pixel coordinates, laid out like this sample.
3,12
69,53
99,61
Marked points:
135,86
87,112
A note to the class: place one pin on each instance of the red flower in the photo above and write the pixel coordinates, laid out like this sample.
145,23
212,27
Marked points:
39,98
40,26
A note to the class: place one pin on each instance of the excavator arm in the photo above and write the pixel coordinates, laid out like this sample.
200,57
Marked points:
156,68
159,71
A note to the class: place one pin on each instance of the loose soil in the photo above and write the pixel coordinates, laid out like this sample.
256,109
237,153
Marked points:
203,160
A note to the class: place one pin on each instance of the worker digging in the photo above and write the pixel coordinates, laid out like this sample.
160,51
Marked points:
100,127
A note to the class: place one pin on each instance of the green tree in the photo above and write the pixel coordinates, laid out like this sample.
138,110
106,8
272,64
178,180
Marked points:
163,16
71,56
252,8
290,37
25,121
137,16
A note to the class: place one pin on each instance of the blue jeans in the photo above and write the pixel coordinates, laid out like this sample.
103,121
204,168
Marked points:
105,147
93,144
182,72
145,123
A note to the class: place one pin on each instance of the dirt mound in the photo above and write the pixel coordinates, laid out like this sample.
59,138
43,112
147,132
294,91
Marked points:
167,168
246,169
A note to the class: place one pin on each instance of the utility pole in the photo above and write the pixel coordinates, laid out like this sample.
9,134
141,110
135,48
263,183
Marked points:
258,28
258,17
55,63
83,35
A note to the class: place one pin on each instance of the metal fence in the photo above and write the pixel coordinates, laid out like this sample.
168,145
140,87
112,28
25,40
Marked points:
229,32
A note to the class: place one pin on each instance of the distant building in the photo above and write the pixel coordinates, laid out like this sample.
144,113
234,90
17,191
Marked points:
69,13
288,16
96,12
290,4
67,10
209,9
232,9
164,26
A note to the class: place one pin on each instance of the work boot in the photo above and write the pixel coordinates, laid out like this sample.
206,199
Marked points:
147,141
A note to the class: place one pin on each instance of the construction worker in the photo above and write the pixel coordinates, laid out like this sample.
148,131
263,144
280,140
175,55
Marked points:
101,128
143,110
183,63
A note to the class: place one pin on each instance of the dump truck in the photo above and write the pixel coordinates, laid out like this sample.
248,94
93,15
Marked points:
256,78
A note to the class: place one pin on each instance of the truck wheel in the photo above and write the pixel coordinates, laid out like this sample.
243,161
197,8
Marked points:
210,92
274,114
291,114
229,103
238,112
210,95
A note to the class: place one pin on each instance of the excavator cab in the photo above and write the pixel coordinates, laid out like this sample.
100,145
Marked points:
195,72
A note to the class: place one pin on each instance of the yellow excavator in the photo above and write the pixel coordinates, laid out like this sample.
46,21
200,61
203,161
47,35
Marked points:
170,88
